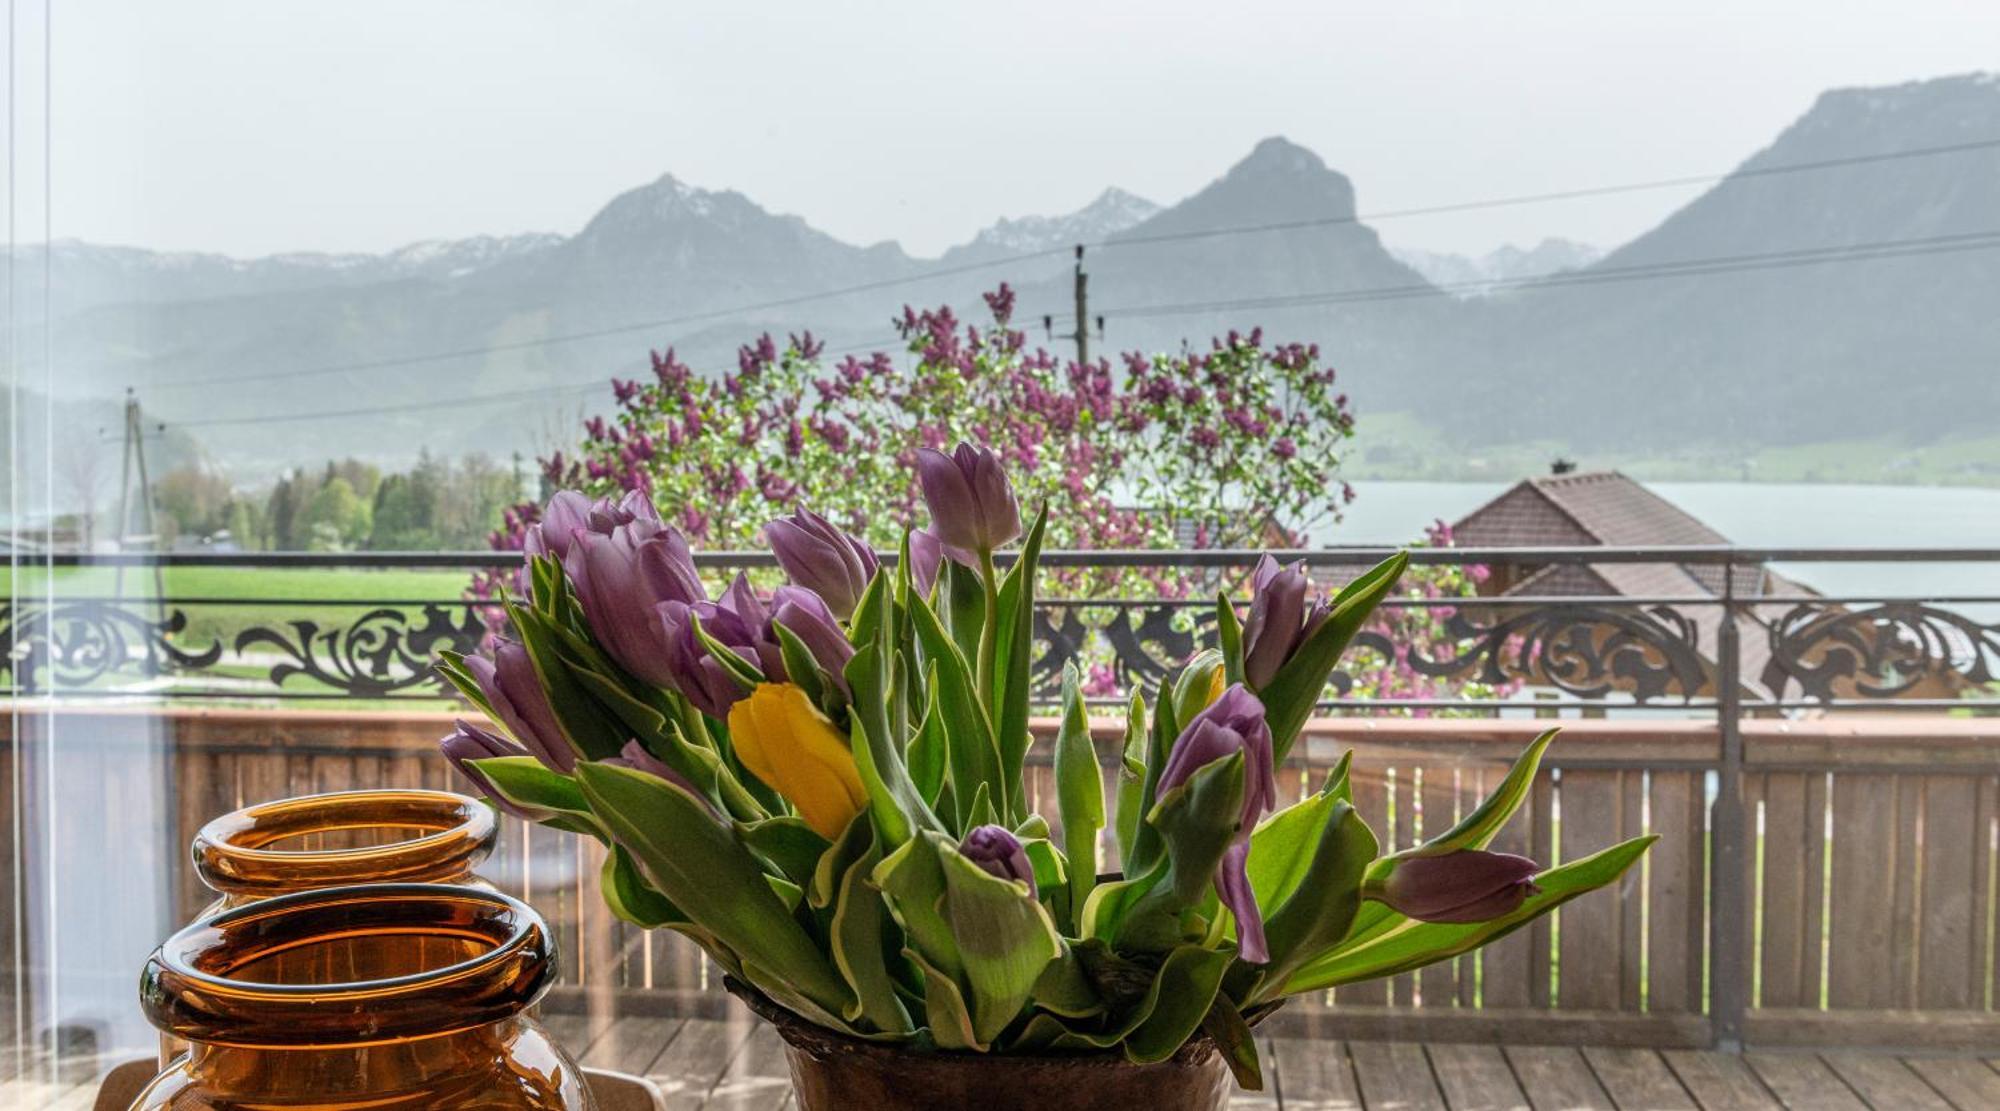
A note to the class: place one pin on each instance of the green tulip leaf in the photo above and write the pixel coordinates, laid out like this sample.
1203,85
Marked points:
912,883
1177,1003
1197,820
1079,792
788,844
695,861
1014,645
1005,939
800,666
592,731
945,1012
527,783
973,759
1229,637
1319,912
860,923
928,754
1478,829
1132,776
630,897
1224,1024
746,674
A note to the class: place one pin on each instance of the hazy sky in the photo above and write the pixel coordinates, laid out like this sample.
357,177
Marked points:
252,127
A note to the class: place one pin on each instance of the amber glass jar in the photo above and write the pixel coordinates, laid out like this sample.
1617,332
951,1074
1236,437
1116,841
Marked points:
347,837
390,997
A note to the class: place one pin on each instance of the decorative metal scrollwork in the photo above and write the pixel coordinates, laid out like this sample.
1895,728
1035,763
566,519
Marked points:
1587,652
1897,649
379,653
74,645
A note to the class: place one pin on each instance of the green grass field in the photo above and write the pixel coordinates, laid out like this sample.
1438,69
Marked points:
265,596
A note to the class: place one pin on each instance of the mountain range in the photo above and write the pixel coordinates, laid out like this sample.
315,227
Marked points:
1851,298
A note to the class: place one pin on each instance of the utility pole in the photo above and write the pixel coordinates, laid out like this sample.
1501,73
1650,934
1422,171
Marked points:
147,537
1082,309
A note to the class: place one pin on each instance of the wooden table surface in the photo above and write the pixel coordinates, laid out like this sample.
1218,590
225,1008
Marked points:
739,1065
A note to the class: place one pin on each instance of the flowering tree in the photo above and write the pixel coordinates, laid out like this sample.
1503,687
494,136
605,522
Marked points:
1236,446
1225,443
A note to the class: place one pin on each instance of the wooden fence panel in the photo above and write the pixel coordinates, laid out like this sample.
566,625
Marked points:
1862,942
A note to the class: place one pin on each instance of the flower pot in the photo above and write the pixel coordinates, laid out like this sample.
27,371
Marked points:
392,997
835,1072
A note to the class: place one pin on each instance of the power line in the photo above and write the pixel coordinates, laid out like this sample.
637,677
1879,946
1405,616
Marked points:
621,329
1109,242
1692,267
536,393
1540,198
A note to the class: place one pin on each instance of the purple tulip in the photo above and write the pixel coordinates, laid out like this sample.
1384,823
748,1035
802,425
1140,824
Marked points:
747,626
819,556
467,742
999,853
570,510
926,560
808,617
972,505
1284,611
621,576
1469,885
1232,723
635,756
510,684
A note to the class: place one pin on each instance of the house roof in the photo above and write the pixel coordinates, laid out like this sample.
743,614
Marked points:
1605,508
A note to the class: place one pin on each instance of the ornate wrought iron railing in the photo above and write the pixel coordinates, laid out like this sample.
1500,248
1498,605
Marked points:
1433,650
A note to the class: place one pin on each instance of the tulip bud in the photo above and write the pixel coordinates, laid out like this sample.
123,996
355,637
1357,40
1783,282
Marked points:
785,741
701,679
467,742
1470,885
1233,723
806,616
635,756
1284,611
972,505
514,690
621,577
999,853
926,560
819,556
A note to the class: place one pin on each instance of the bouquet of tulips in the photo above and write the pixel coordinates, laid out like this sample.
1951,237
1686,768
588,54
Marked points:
823,787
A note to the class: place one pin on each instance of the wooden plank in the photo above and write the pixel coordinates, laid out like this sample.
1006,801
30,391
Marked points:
1394,1075
1966,1083
1903,910
1883,1081
1557,1078
1719,1081
1862,937
1952,868
1591,939
1476,1078
1315,1075
1793,844
696,1059
632,1044
1507,968
758,1079
1637,1078
1403,820
1802,1080
1676,885
1437,795
1370,787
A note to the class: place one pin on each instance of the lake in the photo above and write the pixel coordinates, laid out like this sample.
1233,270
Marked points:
1758,514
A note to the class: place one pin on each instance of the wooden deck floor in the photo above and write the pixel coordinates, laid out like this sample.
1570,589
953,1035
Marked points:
739,1065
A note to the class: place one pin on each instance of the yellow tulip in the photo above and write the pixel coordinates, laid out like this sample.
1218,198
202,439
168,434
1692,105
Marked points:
1217,683
785,741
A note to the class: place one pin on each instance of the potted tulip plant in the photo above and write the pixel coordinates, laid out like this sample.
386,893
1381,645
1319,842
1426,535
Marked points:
823,788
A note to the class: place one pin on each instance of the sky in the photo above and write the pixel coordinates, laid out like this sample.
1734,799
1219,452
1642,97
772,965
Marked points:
251,128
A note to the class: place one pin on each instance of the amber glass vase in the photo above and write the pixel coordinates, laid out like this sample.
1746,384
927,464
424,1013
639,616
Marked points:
347,837
389,997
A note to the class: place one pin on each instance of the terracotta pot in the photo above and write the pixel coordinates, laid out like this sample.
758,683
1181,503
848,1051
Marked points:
834,1072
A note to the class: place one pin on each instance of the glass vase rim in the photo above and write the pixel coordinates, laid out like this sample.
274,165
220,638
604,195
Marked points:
173,971
470,837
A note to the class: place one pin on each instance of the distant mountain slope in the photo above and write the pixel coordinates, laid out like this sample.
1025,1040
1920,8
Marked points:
1790,352
1504,263
1750,356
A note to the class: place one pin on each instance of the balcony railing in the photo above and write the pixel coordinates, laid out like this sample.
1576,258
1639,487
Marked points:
1787,649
